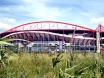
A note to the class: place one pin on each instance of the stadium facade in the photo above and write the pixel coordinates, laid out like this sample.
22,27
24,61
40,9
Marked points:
55,36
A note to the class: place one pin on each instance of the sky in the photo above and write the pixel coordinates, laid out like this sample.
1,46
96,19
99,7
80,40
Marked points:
88,13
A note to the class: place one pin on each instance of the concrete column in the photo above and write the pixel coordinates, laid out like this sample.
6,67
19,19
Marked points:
98,42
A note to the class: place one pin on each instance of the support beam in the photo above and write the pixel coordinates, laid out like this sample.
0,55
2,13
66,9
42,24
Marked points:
50,36
35,36
22,36
45,37
31,36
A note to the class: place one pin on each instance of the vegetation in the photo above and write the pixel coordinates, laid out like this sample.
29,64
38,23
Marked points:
48,65
64,65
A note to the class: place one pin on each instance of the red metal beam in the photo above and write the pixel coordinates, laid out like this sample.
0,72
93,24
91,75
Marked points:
22,36
92,41
23,25
40,36
87,41
36,36
25,34
15,36
18,35
55,37
31,36
50,36
46,37
12,36
78,40
52,25
83,41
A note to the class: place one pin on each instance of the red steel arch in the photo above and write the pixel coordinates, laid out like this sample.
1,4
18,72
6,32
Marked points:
53,31
100,28
42,25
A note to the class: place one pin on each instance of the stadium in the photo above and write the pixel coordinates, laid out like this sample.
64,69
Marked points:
55,36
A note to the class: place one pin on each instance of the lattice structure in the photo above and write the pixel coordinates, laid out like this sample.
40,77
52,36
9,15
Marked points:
48,25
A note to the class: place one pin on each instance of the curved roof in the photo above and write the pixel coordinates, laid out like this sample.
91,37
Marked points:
48,25
44,32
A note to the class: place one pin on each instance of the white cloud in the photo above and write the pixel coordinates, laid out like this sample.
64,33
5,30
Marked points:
7,23
35,10
99,20
39,10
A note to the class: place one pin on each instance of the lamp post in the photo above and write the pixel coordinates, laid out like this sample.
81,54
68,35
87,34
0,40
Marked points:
71,41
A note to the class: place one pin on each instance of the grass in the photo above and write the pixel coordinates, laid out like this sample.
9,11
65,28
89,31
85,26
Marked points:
37,65
33,65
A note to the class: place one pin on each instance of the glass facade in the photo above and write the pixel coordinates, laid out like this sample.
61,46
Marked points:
56,46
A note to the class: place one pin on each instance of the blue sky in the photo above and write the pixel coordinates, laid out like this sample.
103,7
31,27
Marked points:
88,13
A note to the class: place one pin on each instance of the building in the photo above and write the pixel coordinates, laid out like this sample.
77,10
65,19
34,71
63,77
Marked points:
54,36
